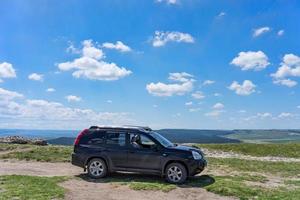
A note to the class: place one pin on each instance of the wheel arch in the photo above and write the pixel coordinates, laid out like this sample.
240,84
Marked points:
175,161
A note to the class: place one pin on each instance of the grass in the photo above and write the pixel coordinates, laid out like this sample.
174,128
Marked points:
10,147
230,186
30,187
293,182
289,169
291,150
42,154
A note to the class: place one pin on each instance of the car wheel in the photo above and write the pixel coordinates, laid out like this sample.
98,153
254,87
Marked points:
176,173
97,168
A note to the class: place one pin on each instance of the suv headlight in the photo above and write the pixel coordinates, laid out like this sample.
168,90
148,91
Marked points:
196,155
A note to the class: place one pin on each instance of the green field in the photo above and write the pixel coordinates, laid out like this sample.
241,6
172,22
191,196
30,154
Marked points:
291,150
239,178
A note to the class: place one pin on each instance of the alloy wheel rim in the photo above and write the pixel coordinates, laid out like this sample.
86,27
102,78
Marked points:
96,168
174,174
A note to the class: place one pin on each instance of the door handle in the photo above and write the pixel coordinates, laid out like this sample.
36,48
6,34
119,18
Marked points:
164,154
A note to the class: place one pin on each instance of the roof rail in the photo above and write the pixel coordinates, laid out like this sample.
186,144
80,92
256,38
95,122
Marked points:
145,128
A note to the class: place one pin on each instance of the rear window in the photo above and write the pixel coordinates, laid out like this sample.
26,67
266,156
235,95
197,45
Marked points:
93,137
116,138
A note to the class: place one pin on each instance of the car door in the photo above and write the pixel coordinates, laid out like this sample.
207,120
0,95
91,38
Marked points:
147,156
116,148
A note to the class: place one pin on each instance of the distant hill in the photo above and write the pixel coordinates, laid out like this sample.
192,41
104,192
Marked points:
174,135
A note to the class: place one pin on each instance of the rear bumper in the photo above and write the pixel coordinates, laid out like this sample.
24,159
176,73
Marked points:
78,160
197,166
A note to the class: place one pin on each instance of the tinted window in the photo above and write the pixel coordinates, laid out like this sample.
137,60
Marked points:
93,138
140,141
114,138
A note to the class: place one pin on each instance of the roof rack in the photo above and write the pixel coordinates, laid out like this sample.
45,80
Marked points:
144,128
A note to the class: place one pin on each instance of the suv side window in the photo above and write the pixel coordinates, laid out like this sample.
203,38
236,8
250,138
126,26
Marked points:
93,137
116,138
140,141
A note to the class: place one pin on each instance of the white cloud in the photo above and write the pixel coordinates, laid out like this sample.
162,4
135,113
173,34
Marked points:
242,111
218,106
289,67
285,115
194,109
259,31
9,95
264,115
168,1
37,113
244,89
184,85
161,38
198,95
280,32
208,82
73,98
109,101
72,49
154,106
7,71
285,82
36,77
298,106
221,14
91,66
189,103
214,113
217,94
50,90
119,46
251,60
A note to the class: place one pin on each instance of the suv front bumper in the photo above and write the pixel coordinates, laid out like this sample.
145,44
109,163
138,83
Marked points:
196,166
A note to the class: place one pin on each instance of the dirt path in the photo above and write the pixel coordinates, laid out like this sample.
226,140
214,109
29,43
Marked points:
222,154
84,188
15,150
10,167
106,191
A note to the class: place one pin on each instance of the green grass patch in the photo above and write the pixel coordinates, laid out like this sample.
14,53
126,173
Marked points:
43,154
292,182
268,167
291,150
10,147
231,186
30,187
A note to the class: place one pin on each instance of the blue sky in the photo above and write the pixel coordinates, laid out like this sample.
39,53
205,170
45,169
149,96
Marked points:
163,63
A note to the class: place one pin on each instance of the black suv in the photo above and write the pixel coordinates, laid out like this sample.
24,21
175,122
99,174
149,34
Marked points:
101,150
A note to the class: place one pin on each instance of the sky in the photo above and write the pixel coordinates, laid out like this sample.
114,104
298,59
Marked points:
196,64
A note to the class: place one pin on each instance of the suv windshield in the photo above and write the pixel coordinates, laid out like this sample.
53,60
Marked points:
163,141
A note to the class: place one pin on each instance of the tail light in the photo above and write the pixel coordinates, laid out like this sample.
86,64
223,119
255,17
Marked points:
80,136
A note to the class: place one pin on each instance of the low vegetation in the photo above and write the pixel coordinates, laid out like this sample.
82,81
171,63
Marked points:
10,147
31,187
42,154
291,150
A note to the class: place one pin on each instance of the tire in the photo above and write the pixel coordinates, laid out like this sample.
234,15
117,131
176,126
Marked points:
176,173
97,168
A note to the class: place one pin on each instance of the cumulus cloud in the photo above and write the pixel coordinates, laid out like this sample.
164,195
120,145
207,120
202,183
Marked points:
218,106
167,1
251,60
50,90
119,46
36,77
259,31
208,82
221,14
198,95
285,115
280,32
194,109
73,98
285,82
189,103
183,84
214,113
91,65
9,95
7,71
217,94
244,89
264,115
289,67
162,38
